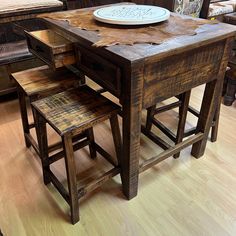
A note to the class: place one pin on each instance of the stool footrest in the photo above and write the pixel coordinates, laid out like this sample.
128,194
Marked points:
160,142
194,111
61,154
167,107
164,129
98,182
105,154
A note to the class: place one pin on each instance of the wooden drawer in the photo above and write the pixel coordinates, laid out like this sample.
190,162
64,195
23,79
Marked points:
100,70
50,47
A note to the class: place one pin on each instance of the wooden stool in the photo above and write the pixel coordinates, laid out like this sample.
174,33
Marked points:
183,105
70,113
184,108
37,83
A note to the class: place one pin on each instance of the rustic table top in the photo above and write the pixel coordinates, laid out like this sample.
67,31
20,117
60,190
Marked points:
206,34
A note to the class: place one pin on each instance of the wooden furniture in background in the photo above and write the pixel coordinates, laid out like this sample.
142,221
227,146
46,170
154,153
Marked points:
230,93
146,75
71,113
183,104
38,83
14,53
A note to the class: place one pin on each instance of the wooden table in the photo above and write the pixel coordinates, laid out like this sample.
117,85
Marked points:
143,75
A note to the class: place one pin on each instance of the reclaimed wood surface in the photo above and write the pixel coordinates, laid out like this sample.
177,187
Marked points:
41,79
138,61
75,110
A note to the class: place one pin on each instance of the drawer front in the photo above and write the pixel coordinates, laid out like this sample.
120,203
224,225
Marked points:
53,55
100,70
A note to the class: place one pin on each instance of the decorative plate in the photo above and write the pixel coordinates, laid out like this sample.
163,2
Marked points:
131,14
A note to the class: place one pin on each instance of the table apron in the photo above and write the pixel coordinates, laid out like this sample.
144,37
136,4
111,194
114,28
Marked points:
177,74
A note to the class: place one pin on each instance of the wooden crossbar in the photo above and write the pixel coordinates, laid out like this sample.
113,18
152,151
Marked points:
160,142
98,182
170,152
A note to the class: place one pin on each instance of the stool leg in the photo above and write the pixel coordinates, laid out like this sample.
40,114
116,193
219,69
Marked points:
41,131
24,115
71,177
150,114
116,137
183,110
230,92
92,146
214,129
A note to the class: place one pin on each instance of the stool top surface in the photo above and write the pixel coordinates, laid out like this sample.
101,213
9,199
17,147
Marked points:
42,79
75,110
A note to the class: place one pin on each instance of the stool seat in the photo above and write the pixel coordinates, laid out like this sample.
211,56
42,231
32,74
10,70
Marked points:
74,108
42,79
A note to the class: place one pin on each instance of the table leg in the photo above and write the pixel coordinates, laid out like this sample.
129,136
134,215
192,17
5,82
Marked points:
206,115
132,108
210,102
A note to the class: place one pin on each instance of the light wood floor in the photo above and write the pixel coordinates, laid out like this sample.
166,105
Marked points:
177,197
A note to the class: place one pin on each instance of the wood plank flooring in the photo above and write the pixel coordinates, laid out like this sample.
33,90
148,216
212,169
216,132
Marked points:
185,197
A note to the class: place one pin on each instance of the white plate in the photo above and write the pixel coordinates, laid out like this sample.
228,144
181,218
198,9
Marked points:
131,14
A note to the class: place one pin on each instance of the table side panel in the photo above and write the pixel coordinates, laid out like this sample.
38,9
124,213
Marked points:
177,74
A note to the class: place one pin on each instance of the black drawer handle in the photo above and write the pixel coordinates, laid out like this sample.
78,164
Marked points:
39,49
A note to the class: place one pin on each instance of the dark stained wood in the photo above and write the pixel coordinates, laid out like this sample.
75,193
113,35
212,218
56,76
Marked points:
71,177
43,145
98,182
80,108
71,113
37,83
211,101
170,152
160,142
40,80
196,59
215,123
230,93
102,71
92,147
182,119
11,52
229,97
205,9
116,138
164,129
202,64
132,107
24,115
